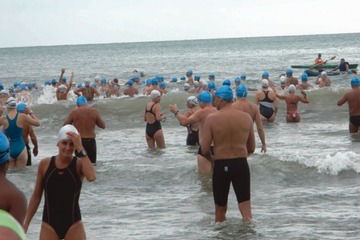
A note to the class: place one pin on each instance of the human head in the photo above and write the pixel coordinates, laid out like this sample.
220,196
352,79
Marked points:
4,152
323,73
342,60
265,75
226,82
223,96
182,78
211,85
80,101
174,79
130,83
304,77
1,87
264,83
162,85
204,97
63,80
197,78
64,142
87,83
355,82
243,76
189,73
155,96
53,81
21,107
103,81
319,55
11,103
289,72
292,88
241,91
154,82
212,77
186,86
237,81
192,101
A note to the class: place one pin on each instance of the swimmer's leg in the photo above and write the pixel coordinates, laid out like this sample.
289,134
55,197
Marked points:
150,142
47,232
21,160
159,139
245,210
353,128
76,232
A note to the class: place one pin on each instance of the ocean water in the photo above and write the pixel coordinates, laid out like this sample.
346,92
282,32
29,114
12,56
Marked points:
305,187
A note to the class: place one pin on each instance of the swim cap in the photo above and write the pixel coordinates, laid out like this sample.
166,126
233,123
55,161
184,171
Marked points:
197,78
134,78
53,81
4,148
265,83
1,87
97,78
174,79
154,81
183,78
226,82
211,85
11,103
243,76
162,85
81,100
154,94
212,76
47,82
323,73
265,75
196,84
186,86
62,135
130,83
282,79
192,100
148,82
241,91
237,80
22,86
21,107
159,78
64,79
4,93
79,85
103,80
94,85
292,88
205,97
304,77
355,82
190,72
224,92
289,72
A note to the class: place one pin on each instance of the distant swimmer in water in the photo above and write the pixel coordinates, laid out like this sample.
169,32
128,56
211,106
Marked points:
206,107
193,129
63,89
85,119
323,80
88,91
162,87
266,75
22,95
189,76
12,200
13,124
266,100
114,88
352,97
28,131
290,79
244,105
304,85
232,135
319,61
292,100
60,177
152,117
131,90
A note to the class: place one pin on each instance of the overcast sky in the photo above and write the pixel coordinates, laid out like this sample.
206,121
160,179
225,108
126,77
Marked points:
58,22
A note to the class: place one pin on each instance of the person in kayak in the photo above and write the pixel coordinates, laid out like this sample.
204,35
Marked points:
319,61
266,100
343,67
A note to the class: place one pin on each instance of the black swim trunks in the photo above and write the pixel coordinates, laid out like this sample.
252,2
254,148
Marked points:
355,120
192,138
90,147
235,171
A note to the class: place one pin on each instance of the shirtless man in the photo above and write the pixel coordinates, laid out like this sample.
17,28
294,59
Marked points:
28,131
12,200
206,107
352,97
232,134
88,92
114,88
85,119
131,90
189,76
266,100
63,90
292,101
244,105
304,85
290,79
323,80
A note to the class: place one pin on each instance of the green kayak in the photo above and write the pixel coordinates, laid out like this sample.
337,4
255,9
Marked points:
325,66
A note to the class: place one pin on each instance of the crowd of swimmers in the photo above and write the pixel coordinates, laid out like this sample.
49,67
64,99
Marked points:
219,120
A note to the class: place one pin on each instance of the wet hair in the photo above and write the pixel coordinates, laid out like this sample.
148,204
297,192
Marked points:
116,80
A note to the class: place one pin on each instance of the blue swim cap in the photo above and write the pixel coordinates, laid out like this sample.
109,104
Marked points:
237,80
162,85
1,87
241,91
103,80
243,76
355,82
159,78
21,107
189,72
265,75
197,78
304,77
148,82
154,81
211,85
224,92
94,85
289,72
174,79
183,78
4,148
64,79
81,100
53,81
212,76
134,78
226,82
79,85
22,86
350,71
130,83
205,97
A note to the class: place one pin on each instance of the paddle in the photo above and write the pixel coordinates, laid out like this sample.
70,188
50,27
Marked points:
316,65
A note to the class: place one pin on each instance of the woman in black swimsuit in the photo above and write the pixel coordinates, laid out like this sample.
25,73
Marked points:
152,117
60,177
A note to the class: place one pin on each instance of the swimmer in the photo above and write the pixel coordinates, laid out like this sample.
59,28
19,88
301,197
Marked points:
13,124
190,79
266,75
237,82
28,131
23,95
323,80
290,79
193,129
12,200
211,77
131,90
152,116
88,92
64,89
162,87
304,85
232,135
292,101
244,105
266,100
114,88
352,97
60,177
85,119
206,107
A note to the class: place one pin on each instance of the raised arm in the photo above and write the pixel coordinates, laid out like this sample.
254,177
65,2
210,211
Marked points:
304,98
182,118
61,76
30,118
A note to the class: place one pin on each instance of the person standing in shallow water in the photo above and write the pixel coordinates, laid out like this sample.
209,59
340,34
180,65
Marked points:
60,177
232,135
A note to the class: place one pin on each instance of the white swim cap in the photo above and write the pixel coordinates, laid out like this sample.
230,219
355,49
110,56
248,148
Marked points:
97,78
4,93
282,79
265,83
154,94
186,86
196,83
11,102
323,73
192,100
292,88
62,135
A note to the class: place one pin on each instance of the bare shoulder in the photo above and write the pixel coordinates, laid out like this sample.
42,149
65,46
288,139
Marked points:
44,165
